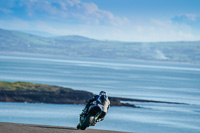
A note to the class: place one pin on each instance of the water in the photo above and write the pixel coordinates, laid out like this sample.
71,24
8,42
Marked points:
160,118
153,81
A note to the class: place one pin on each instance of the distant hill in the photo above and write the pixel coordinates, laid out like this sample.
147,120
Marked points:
39,33
78,46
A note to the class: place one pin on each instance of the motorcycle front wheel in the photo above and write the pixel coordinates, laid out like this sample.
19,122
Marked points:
86,123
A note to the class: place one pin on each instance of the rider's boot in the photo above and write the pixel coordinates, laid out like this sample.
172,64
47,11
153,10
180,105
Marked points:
93,124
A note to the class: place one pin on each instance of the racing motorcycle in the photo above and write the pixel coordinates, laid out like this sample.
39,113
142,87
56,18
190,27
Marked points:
90,118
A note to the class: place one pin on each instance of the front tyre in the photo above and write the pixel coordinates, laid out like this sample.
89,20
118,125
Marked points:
86,122
78,126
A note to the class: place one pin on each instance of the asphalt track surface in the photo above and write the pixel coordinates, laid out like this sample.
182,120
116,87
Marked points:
30,128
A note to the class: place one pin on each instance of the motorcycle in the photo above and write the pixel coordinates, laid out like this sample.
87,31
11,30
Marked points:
90,118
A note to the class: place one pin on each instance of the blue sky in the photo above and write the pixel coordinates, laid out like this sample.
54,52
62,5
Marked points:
123,20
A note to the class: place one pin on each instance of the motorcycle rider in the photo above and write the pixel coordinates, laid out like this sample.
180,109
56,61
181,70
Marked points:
100,100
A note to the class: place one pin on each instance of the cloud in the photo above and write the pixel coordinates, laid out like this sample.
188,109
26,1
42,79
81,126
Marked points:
191,17
5,10
159,22
64,10
66,17
186,18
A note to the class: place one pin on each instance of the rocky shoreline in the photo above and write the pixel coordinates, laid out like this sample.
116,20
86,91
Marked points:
38,93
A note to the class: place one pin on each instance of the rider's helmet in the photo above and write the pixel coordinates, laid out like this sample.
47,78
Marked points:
103,93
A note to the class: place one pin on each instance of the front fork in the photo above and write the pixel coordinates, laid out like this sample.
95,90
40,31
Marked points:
83,116
95,118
